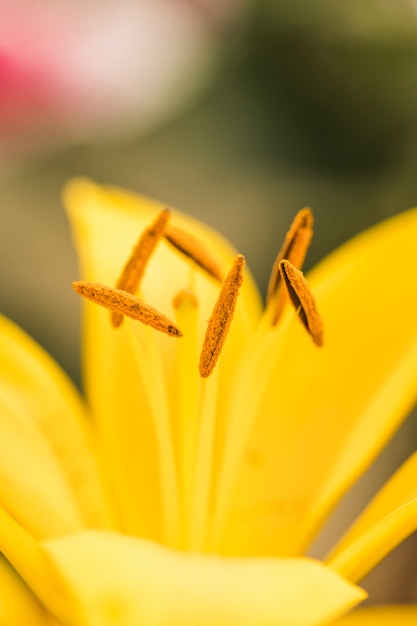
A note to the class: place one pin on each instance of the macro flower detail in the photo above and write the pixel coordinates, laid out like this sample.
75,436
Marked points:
218,436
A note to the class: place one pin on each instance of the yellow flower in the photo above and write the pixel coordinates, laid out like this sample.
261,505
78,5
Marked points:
190,497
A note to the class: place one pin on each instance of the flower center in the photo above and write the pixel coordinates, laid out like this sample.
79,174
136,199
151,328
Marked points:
187,412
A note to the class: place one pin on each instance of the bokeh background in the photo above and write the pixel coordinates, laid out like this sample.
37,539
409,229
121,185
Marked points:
239,112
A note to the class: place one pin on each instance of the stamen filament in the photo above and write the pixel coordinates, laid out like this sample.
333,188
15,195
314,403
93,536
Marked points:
303,301
150,370
193,249
27,557
135,266
221,317
126,304
203,467
253,375
294,249
188,388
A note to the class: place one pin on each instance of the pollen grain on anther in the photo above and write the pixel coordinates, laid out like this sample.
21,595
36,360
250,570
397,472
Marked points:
221,317
192,248
303,301
135,266
294,249
125,303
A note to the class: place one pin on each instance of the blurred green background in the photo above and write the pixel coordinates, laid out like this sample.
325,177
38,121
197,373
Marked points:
311,103
306,103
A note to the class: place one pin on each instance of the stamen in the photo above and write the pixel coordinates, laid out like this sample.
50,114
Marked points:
221,318
193,249
302,299
125,303
134,269
294,249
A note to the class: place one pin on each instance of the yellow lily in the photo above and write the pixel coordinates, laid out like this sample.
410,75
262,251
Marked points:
191,497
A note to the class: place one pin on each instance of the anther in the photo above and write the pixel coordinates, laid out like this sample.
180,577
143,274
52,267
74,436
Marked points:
294,249
135,266
193,249
221,317
303,301
125,303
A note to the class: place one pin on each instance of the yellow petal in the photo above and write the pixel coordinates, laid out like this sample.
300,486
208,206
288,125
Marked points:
317,418
399,490
18,606
32,485
122,581
358,558
380,616
132,387
49,462
28,559
389,519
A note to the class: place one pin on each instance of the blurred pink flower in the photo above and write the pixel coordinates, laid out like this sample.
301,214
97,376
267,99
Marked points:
72,70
